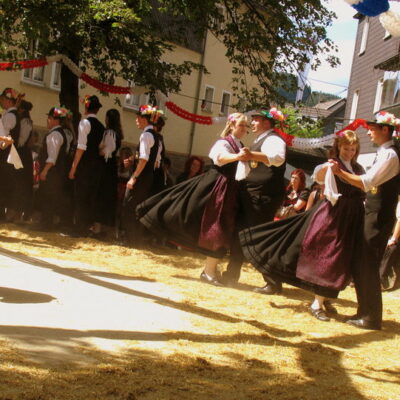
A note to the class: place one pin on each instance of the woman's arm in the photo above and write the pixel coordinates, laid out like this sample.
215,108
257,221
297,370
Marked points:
311,199
299,205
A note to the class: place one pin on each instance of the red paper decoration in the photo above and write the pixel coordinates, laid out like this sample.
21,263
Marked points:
104,87
198,119
9,66
354,125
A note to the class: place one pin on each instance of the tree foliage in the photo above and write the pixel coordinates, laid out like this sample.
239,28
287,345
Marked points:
301,125
263,39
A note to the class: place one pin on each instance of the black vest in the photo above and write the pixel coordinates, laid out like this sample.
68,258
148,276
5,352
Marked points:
149,167
263,179
383,199
59,165
94,139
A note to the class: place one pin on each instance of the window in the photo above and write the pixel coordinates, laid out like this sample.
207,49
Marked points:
55,82
206,104
137,98
364,37
218,20
226,99
354,105
34,75
378,95
390,89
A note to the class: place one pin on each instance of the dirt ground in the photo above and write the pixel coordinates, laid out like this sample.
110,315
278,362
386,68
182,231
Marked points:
84,319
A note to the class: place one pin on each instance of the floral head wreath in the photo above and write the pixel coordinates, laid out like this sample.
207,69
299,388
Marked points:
153,113
59,112
387,118
273,113
86,100
89,100
12,94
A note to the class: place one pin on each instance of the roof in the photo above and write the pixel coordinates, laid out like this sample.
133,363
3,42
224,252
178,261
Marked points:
324,109
391,64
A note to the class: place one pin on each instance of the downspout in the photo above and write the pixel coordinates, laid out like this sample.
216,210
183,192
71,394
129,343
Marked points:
197,96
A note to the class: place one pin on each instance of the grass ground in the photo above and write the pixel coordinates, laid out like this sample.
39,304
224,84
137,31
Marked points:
241,345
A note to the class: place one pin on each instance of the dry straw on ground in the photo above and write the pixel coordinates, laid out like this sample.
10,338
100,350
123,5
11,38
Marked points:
240,345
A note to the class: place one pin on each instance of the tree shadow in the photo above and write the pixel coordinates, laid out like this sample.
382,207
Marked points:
11,295
135,373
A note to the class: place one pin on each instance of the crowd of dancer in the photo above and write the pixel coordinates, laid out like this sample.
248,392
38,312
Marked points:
238,208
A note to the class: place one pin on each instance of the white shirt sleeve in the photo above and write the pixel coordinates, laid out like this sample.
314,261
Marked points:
218,150
25,131
275,149
2,131
83,132
9,122
54,142
386,167
146,142
108,144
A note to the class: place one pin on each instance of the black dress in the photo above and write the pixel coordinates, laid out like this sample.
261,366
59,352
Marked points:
198,213
315,250
108,189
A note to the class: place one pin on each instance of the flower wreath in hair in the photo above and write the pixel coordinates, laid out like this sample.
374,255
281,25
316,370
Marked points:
12,94
277,114
383,117
153,112
86,100
61,112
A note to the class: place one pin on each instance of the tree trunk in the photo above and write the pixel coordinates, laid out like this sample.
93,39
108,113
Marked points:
69,94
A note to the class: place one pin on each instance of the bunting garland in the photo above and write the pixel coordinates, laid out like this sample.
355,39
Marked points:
292,141
199,119
104,87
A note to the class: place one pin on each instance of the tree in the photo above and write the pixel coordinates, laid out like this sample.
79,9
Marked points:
302,126
122,38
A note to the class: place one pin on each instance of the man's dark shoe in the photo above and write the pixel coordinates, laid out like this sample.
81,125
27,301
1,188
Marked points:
269,288
208,279
319,313
330,308
364,324
228,281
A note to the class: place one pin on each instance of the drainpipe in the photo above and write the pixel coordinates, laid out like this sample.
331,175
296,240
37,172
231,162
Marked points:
197,96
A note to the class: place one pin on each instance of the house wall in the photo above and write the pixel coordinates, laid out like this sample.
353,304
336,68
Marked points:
364,77
180,136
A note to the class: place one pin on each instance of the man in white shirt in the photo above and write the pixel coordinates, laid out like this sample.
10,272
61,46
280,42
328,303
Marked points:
263,190
52,160
139,187
381,182
87,166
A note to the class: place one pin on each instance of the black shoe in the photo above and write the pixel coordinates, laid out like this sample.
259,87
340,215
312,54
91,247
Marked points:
40,227
319,313
330,308
97,235
364,324
228,281
208,279
269,288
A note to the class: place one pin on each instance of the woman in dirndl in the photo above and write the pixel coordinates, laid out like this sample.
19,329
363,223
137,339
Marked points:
316,250
199,213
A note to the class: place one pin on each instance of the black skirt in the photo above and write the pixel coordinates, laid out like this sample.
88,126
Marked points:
176,213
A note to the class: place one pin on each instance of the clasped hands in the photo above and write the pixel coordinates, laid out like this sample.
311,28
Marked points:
244,154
